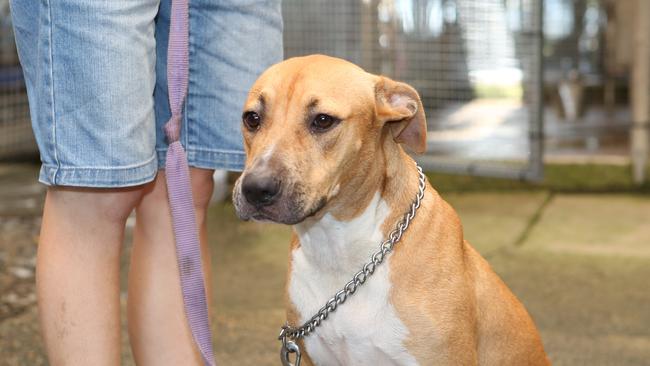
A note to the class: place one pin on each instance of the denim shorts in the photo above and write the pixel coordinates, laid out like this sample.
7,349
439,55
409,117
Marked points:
96,80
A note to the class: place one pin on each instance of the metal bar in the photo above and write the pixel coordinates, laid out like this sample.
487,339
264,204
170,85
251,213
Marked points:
536,136
640,94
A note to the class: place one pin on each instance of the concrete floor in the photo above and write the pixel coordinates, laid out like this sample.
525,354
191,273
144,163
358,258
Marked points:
579,262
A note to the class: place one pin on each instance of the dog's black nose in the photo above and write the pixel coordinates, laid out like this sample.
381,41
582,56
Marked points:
260,189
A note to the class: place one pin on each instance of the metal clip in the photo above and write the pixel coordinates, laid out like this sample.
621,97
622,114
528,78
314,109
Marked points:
288,347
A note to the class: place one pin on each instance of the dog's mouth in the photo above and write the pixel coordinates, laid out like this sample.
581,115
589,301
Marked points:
290,209
315,209
297,216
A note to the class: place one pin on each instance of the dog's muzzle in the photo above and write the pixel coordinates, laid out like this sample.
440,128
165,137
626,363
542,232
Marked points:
265,196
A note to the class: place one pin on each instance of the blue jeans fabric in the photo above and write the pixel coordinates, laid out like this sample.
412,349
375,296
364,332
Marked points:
97,85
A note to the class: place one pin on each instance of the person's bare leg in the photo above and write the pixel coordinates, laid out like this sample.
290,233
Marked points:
157,324
77,274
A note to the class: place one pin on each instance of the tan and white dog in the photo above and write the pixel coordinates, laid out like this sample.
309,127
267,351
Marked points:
324,153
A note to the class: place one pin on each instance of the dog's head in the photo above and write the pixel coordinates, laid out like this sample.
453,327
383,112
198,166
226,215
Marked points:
313,124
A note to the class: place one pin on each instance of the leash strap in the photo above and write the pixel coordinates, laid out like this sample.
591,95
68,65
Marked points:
188,250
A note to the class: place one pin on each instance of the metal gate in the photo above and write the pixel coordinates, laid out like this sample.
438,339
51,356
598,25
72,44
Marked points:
477,65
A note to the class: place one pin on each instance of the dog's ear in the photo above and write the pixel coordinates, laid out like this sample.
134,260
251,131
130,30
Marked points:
399,108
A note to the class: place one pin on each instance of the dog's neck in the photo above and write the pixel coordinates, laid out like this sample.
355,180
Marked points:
341,242
338,246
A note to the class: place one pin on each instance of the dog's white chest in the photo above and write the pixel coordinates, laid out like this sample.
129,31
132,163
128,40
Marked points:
365,330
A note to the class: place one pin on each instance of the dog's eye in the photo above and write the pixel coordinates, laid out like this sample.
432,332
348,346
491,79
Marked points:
252,121
323,122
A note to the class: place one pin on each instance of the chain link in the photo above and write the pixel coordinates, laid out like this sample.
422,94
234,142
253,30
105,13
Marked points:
377,258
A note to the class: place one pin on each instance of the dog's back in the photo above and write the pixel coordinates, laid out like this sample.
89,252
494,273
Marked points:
458,310
518,344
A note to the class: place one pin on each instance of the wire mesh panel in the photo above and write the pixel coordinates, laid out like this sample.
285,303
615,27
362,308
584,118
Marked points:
16,138
476,64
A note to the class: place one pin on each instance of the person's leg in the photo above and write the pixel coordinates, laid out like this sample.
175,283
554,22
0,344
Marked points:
89,74
77,274
157,323
221,72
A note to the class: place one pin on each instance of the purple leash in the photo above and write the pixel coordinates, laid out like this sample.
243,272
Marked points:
188,250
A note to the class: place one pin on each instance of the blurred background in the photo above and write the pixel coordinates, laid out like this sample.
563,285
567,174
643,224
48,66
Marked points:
538,118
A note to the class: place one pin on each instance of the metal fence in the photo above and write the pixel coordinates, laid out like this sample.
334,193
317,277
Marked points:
16,138
477,65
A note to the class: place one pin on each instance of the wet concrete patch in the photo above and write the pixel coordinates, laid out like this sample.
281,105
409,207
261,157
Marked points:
18,238
20,343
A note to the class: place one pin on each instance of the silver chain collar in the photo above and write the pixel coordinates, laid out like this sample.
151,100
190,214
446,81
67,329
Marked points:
289,334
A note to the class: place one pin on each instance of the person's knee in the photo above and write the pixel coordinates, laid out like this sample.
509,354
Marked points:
156,194
110,204
202,187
